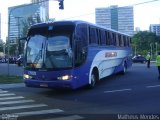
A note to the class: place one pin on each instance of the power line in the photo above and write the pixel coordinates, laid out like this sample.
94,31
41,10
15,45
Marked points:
81,15
145,2
112,8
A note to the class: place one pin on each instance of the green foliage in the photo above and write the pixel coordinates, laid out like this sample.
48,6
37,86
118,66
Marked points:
28,23
1,47
10,79
144,40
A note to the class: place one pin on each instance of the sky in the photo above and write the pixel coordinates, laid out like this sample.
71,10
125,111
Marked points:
144,14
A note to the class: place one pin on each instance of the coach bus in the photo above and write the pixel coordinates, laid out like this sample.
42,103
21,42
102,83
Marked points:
72,54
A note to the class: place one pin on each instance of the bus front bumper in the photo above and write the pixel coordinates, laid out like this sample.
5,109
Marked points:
69,84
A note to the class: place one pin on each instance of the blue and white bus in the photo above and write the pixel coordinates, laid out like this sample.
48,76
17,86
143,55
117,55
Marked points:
72,54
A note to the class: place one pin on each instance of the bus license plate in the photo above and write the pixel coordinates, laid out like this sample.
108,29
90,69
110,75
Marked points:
43,85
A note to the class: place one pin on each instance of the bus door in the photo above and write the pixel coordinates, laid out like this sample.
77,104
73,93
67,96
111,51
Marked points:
81,43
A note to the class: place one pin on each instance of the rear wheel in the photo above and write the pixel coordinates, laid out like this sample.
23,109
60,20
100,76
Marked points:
124,68
94,79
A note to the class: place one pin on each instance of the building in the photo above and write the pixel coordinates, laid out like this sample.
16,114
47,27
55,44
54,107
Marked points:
0,26
117,18
137,29
44,4
20,14
155,28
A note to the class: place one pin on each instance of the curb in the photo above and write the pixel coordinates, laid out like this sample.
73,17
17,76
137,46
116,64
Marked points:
14,85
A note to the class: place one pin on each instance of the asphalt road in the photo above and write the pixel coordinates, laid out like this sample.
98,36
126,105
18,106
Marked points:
135,95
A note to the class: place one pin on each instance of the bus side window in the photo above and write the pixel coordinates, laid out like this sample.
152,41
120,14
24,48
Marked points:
122,41
80,53
103,38
81,44
82,33
127,42
93,38
114,39
111,38
107,38
98,36
130,41
117,40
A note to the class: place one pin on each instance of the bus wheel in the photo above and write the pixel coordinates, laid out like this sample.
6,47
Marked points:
124,68
93,79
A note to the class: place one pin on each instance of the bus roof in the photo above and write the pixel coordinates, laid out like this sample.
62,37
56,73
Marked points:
74,23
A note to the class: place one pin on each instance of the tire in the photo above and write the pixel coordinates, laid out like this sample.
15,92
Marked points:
124,68
94,79
19,64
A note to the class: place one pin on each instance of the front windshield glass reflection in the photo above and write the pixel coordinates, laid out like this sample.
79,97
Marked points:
35,51
58,53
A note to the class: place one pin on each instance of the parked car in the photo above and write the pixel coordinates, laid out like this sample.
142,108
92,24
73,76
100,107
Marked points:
2,60
12,60
139,59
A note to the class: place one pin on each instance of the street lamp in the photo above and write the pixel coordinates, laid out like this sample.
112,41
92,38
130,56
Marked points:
18,23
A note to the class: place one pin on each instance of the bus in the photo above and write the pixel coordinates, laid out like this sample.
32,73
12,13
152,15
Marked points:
73,54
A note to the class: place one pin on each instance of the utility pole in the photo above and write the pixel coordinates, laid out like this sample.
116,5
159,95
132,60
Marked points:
18,24
135,51
151,49
156,48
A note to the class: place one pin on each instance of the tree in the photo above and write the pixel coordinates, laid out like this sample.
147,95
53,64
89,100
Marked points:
144,40
29,22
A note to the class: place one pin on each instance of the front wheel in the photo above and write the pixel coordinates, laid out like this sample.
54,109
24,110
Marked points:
93,80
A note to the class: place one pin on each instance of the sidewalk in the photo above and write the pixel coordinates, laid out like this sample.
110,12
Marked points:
14,85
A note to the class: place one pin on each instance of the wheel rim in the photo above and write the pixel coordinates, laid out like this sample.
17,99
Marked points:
93,80
124,67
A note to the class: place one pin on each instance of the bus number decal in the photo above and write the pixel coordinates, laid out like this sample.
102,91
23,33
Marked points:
31,73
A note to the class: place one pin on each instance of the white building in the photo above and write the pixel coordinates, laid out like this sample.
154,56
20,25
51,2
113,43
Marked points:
0,25
19,14
117,18
155,28
44,4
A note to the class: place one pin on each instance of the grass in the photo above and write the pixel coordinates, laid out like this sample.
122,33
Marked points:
10,79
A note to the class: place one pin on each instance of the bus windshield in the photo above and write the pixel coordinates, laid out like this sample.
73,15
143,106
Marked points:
49,50
58,52
34,51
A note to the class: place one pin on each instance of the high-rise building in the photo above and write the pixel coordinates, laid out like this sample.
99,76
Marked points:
0,25
44,4
117,18
18,15
155,28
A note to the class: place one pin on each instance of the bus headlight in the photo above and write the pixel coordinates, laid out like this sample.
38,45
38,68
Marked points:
65,77
25,76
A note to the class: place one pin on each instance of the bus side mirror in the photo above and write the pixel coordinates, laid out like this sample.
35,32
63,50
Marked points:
23,39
